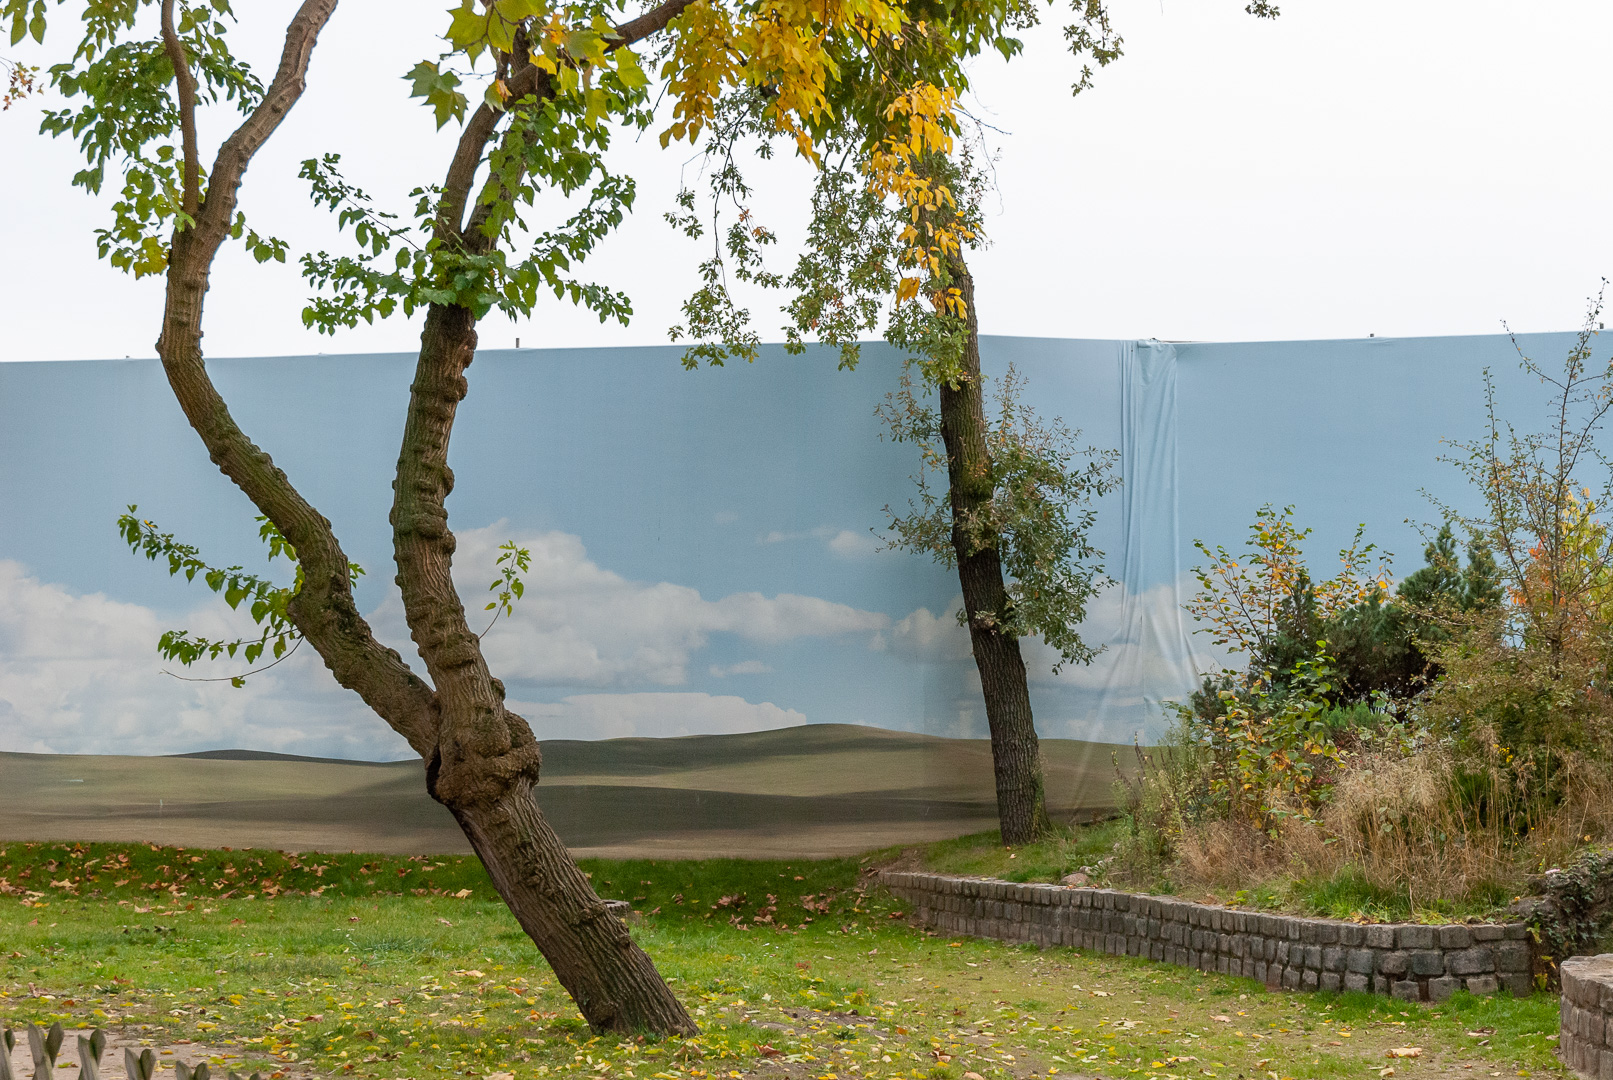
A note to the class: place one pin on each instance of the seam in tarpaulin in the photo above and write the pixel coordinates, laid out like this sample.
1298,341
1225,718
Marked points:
1152,659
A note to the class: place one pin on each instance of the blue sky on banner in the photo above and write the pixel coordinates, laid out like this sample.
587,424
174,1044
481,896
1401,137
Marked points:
703,559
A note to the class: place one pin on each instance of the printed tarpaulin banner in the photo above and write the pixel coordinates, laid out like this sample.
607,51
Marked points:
708,547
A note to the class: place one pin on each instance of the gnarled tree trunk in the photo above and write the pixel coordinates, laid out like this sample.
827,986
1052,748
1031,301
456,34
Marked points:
481,760
1016,755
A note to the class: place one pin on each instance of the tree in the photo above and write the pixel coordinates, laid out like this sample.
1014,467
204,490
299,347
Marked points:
559,81
900,226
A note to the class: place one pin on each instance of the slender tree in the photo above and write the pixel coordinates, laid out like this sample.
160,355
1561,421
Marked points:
560,80
1015,518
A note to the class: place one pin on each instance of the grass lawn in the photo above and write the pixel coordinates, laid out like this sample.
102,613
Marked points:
396,967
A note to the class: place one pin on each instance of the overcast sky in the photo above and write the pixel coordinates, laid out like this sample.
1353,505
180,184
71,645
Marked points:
1389,167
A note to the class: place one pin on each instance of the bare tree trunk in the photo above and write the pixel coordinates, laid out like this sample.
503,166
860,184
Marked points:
481,760
1016,754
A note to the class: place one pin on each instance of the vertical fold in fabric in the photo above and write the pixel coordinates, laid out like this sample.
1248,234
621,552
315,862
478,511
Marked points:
1151,660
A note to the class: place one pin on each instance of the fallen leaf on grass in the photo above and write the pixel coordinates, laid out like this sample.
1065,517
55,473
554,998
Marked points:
1404,1052
1479,1033
1222,1019
973,1076
500,1076
461,894
1386,1072
445,922
768,1051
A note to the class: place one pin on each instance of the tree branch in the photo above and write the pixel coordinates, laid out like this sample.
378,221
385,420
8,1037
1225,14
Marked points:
290,79
324,609
185,87
528,79
651,22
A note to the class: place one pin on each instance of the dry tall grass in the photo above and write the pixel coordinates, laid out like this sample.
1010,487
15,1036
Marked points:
1406,822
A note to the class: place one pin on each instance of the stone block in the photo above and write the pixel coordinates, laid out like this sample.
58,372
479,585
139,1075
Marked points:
1482,985
1406,990
1352,935
1380,936
1488,932
1357,982
1383,984
1283,951
1291,978
1332,958
1455,937
1313,957
1511,956
1414,937
1307,931
1394,963
1442,988
1360,961
1327,933
1478,960
1270,926
1427,961
1309,979
1332,980
1516,931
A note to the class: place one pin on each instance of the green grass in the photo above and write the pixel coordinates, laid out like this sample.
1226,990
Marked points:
369,978
1066,851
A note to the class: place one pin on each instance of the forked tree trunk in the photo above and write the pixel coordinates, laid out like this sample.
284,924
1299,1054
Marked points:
1015,753
481,760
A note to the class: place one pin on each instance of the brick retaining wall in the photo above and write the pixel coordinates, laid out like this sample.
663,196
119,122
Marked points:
1586,1042
1408,961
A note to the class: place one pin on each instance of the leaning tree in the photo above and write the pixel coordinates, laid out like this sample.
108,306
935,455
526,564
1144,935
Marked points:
537,92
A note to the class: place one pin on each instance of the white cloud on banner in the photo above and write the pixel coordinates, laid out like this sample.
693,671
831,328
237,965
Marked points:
81,674
929,638
581,625
652,715
846,543
744,667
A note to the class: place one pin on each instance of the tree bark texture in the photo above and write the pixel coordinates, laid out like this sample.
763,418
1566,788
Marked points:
481,760
487,759
1015,752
